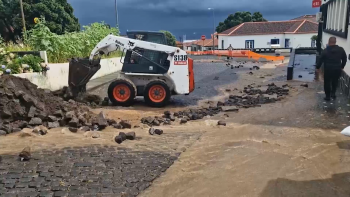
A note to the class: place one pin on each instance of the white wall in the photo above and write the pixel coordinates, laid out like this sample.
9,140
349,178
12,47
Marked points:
299,40
260,41
57,77
345,43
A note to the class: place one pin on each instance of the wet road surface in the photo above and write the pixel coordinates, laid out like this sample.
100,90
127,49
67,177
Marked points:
208,77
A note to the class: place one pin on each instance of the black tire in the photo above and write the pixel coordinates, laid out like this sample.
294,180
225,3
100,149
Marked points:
126,84
149,101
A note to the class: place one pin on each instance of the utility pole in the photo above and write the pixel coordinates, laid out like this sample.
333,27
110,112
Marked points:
116,14
213,28
22,12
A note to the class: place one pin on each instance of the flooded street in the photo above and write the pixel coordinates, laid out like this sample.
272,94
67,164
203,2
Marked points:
289,148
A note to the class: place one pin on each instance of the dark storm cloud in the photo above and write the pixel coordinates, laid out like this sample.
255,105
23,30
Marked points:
183,15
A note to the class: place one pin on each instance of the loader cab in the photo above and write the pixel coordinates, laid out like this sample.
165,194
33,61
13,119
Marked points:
133,63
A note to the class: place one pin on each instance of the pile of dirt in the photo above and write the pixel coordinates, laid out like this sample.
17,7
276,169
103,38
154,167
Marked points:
88,99
24,105
251,96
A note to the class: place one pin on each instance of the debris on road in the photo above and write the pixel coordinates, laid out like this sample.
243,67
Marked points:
131,136
304,85
221,123
122,135
25,154
252,96
300,76
151,131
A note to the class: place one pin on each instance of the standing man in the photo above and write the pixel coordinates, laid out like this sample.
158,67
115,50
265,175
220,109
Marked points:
334,60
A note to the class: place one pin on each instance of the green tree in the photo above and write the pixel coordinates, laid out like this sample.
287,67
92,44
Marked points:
171,40
57,13
239,18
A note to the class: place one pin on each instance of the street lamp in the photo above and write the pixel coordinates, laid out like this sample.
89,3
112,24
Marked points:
213,27
116,14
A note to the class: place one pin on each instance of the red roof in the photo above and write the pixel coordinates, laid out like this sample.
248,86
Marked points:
276,27
311,18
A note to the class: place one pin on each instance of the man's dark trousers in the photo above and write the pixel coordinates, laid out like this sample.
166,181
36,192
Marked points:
331,78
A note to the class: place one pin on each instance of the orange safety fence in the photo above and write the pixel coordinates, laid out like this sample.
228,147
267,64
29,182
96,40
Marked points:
237,53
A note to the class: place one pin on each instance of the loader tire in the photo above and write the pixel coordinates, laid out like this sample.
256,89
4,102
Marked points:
122,92
157,93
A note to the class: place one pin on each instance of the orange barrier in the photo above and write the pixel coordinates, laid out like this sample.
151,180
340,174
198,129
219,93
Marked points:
237,53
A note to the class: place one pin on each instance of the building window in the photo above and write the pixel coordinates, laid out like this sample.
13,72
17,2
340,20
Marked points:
222,44
249,44
275,41
336,17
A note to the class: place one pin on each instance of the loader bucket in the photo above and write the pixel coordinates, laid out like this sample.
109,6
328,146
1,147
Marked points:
80,73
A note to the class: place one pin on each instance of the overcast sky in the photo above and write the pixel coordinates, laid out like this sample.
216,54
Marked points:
190,17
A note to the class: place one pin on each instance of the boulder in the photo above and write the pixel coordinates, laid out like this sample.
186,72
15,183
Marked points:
35,121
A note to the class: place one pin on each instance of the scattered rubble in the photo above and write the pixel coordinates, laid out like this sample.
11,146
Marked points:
252,96
24,105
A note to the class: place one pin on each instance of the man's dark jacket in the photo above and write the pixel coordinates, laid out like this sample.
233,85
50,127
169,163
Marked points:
333,57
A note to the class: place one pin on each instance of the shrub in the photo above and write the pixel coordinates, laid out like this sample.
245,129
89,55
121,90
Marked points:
62,47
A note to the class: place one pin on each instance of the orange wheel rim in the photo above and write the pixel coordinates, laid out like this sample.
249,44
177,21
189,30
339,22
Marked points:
121,93
157,93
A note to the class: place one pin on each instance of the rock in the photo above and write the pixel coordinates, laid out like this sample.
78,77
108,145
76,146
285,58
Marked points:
216,78
156,123
130,135
7,128
52,118
158,131
228,90
85,128
25,154
183,121
151,131
15,130
305,85
74,122
35,121
250,73
122,135
102,121
95,135
52,125
126,124
31,112
118,139
172,118
73,130
222,123
118,126
40,130
300,76
111,121
2,132
58,113
229,108
167,113
69,115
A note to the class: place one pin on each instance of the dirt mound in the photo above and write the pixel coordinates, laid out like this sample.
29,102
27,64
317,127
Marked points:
24,105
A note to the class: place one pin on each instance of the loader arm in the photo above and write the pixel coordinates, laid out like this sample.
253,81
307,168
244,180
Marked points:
111,43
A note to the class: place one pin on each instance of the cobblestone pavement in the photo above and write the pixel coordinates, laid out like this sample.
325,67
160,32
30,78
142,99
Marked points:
94,170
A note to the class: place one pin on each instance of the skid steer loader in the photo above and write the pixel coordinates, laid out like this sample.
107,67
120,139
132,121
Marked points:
150,69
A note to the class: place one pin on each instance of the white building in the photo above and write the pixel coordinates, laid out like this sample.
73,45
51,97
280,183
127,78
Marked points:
335,17
278,34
